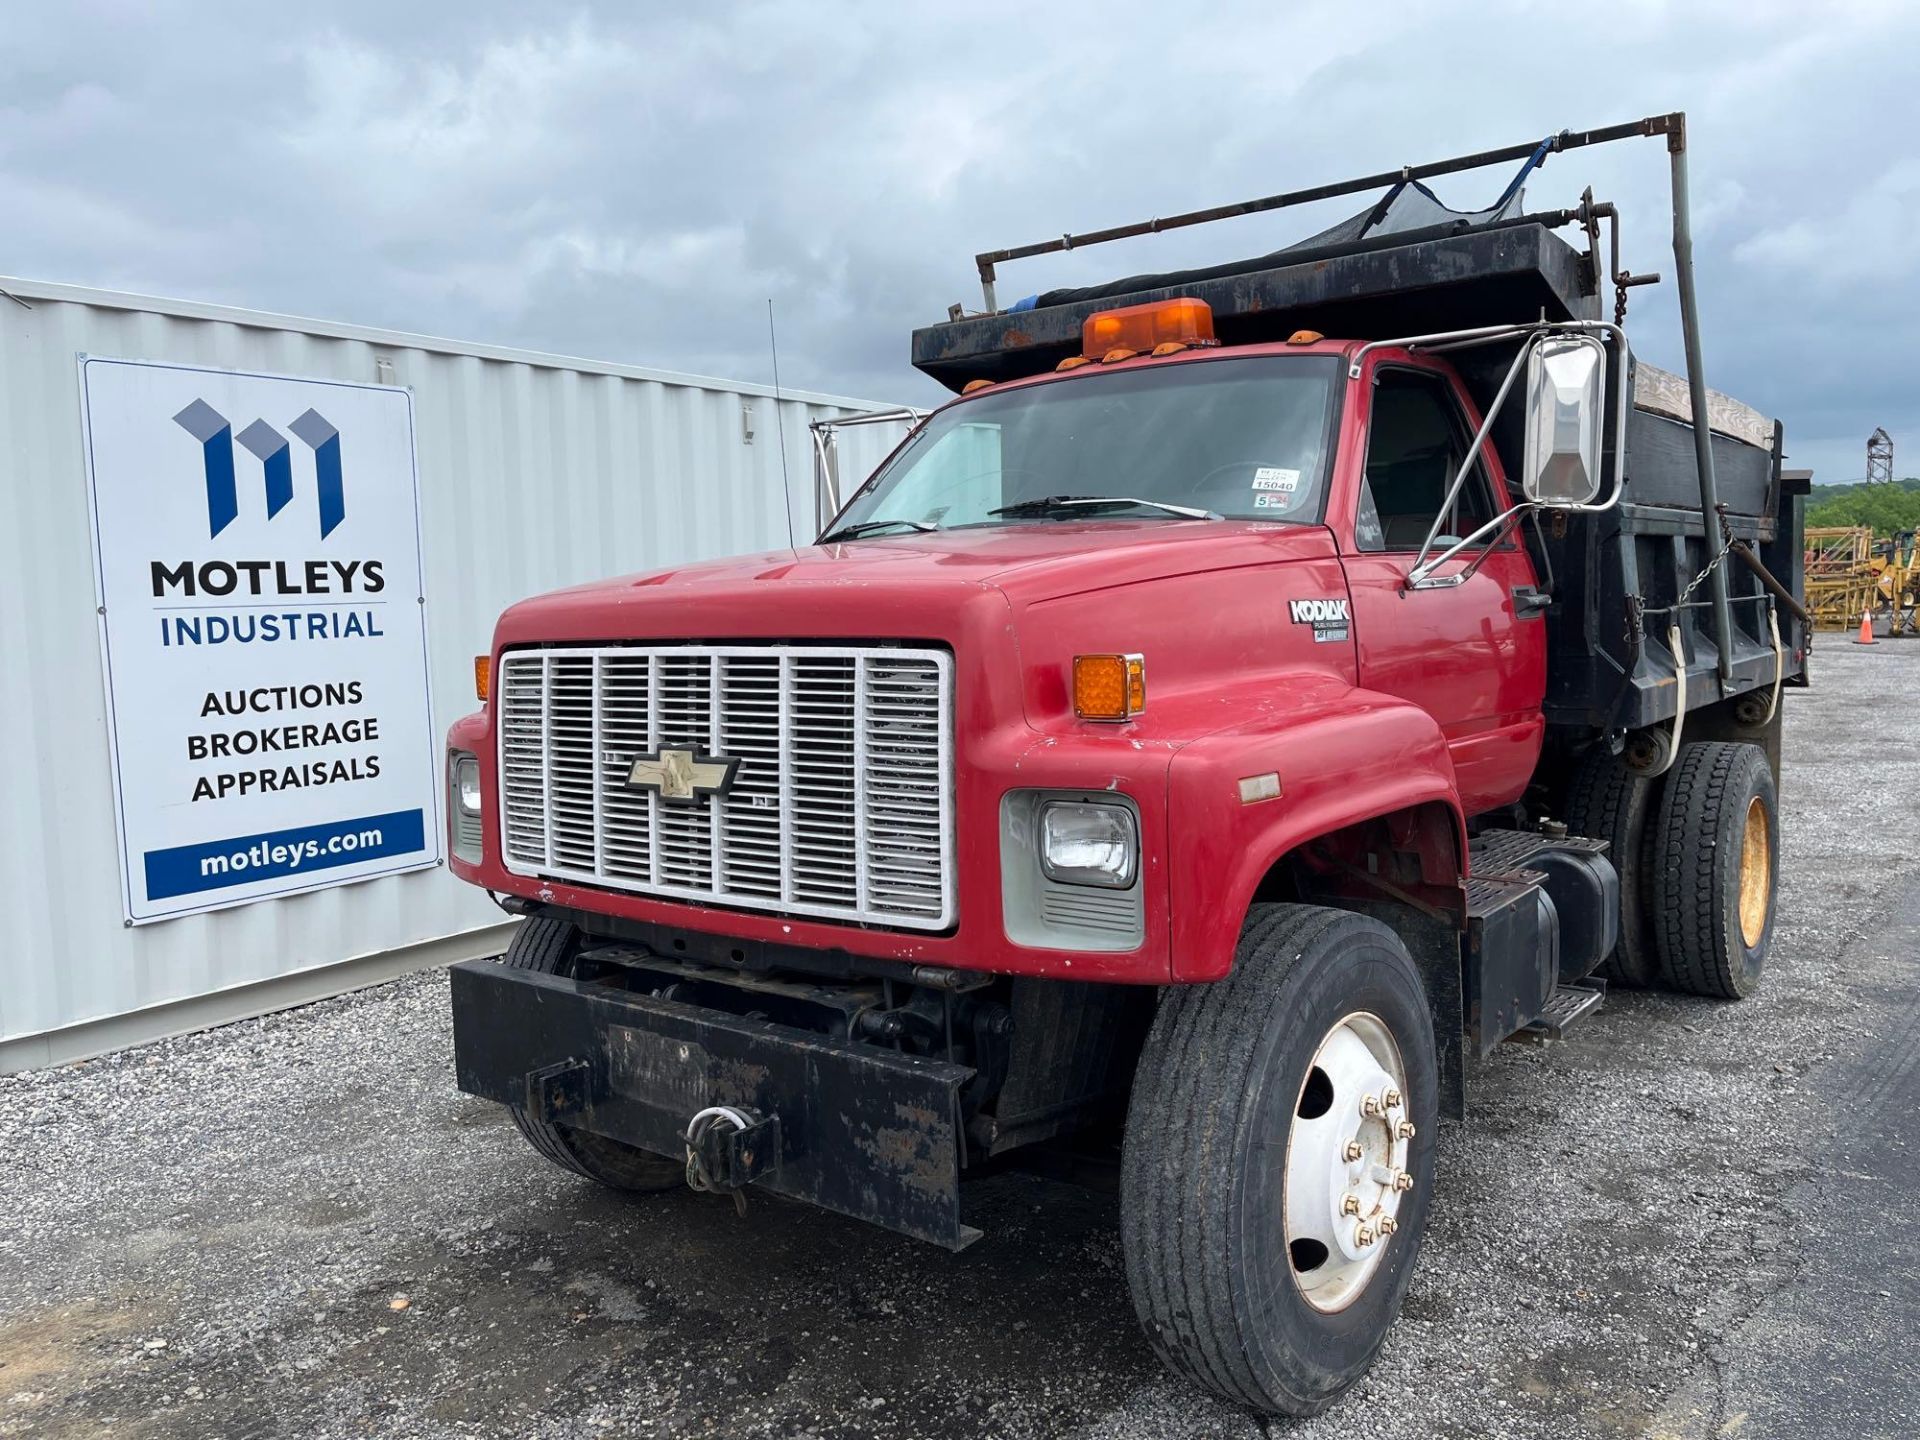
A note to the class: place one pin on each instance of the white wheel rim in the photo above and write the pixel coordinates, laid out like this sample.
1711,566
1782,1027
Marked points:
1347,1169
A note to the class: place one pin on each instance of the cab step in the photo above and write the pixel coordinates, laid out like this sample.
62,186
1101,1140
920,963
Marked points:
1566,1007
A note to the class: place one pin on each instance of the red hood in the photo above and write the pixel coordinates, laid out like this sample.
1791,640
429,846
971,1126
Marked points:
1204,602
906,587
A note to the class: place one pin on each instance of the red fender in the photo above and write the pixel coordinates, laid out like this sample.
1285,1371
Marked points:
1342,754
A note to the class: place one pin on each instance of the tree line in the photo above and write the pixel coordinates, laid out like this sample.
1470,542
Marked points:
1887,508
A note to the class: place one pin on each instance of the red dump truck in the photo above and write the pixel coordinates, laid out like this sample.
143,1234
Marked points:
1262,691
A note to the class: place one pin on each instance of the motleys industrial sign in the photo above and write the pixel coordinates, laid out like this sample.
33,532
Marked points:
257,554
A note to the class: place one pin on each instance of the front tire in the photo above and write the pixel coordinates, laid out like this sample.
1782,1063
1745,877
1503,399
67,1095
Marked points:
551,946
1278,1117
1717,847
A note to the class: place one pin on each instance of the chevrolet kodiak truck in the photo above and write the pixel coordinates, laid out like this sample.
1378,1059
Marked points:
1262,691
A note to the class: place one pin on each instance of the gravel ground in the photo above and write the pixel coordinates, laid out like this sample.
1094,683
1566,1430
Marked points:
1688,1219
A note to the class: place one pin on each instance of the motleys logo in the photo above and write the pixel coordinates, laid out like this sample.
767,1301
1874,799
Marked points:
260,578
270,448
1318,612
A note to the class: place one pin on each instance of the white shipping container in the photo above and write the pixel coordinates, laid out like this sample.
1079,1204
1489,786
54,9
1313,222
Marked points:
535,471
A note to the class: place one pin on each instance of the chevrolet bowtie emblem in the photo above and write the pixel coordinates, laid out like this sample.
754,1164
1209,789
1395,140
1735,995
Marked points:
682,776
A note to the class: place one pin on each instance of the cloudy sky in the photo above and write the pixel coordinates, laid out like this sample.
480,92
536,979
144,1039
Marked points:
633,182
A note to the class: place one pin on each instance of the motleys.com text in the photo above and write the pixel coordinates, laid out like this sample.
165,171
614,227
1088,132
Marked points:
238,860
263,853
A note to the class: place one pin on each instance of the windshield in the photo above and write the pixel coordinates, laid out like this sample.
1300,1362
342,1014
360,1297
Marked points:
1246,439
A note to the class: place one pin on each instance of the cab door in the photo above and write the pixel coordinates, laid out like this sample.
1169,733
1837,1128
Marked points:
1473,655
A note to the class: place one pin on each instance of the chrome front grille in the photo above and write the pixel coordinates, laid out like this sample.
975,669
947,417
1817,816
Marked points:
841,805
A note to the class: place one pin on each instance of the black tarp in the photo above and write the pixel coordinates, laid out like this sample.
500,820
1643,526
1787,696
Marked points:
1406,209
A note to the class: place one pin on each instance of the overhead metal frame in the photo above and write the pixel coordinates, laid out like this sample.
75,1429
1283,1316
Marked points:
1673,126
827,501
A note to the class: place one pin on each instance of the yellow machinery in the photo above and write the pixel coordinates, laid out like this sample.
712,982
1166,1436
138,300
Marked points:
1850,574
1896,565
1840,579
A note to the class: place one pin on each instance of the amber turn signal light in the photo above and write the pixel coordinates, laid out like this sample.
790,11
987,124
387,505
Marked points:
482,676
1109,687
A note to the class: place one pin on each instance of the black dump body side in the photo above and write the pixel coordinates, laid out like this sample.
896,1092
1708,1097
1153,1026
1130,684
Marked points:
1611,664
1617,575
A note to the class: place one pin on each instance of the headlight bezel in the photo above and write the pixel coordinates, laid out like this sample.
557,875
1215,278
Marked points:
469,798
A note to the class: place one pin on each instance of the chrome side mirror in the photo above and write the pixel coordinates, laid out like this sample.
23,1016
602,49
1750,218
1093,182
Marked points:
1566,406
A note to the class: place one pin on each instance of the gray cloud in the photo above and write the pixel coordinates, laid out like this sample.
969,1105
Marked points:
634,183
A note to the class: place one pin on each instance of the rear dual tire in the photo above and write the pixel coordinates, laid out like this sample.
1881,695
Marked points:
1696,850
1607,801
1716,869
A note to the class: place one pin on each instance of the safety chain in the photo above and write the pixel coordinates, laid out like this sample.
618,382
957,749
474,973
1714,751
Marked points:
1712,565
1637,604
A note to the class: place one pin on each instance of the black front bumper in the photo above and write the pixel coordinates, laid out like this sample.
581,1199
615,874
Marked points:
867,1132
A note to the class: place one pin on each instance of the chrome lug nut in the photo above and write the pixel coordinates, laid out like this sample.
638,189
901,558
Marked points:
1353,1150
1391,1098
1404,1130
1388,1224
1402,1181
1350,1205
1370,1106
1363,1235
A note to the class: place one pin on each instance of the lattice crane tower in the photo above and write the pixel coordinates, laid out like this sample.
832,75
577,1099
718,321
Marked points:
1879,457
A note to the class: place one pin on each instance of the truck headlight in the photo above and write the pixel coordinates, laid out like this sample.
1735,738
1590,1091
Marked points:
463,795
1088,844
466,784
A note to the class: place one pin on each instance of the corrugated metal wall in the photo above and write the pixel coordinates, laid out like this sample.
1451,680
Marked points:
535,472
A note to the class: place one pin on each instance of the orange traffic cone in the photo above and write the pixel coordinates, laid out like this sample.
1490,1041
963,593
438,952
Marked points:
1865,637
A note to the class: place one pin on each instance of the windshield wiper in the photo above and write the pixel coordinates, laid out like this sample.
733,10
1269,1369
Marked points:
1052,504
868,527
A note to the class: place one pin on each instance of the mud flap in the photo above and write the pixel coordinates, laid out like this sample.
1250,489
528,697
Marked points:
863,1131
